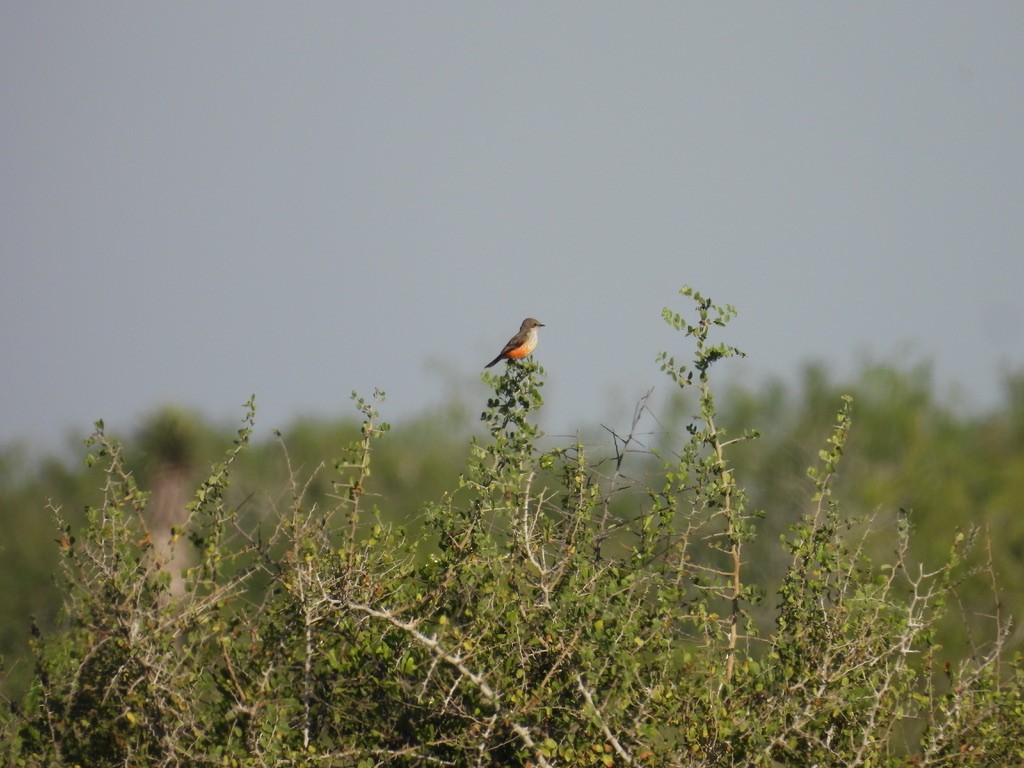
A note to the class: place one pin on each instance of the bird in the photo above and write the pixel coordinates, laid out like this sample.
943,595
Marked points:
522,344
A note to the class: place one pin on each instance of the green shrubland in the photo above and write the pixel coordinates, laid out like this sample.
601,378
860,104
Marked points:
691,592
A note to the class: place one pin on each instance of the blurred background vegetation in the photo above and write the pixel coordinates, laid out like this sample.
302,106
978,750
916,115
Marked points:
909,449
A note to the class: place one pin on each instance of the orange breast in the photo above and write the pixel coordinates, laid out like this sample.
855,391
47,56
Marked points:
524,349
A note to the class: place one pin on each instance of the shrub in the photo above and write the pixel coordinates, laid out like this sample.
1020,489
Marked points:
532,618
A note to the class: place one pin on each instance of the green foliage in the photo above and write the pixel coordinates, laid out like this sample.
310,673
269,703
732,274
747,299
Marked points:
520,618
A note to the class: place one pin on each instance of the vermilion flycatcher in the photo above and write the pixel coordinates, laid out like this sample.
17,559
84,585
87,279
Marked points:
522,344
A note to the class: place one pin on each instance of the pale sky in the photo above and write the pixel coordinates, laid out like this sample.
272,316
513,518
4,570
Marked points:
199,201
